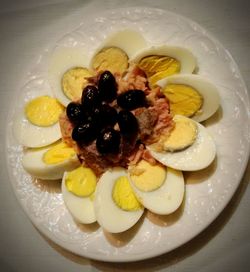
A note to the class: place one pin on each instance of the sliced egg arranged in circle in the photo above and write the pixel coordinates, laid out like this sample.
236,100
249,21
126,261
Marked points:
37,122
78,191
198,151
122,39
191,95
50,162
68,73
118,199
116,207
115,51
159,62
167,192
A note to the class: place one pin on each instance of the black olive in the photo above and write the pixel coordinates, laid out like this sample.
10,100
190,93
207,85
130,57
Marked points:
108,141
128,123
90,97
132,99
107,86
105,115
84,133
75,112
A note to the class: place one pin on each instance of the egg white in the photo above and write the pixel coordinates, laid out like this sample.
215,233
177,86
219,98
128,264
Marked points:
183,55
81,208
109,216
167,198
33,163
62,60
195,157
30,135
24,131
128,40
209,92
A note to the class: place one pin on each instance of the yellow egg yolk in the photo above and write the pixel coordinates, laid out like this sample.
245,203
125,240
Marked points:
159,67
74,81
43,111
147,177
112,58
81,181
58,153
183,135
183,99
124,196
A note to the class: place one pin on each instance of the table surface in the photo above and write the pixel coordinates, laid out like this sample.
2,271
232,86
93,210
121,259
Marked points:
24,27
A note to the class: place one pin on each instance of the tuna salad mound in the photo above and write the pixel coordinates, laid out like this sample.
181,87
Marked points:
114,120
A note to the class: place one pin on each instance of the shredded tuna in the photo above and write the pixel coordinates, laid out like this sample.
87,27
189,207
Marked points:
139,154
90,157
165,121
136,156
154,120
147,119
154,94
66,129
148,157
93,80
134,79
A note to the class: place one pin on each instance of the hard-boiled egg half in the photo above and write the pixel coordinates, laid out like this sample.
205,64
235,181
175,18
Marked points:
36,122
160,189
68,73
50,163
159,62
78,191
191,95
116,206
115,52
188,147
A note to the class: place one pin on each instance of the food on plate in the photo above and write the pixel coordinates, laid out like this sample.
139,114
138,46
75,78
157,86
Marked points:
107,86
112,129
159,62
36,122
182,136
43,111
113,59
161,197
50,162
78,189
128,127
147,177
115,51
183,99
116,207
74,80
191,95
70,67
130,41
68,73
132,99
196,156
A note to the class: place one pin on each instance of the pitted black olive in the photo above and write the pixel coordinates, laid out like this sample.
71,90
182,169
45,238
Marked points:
75,112
84,133
128,123
105,115
132,99
107,86
108,141
90,97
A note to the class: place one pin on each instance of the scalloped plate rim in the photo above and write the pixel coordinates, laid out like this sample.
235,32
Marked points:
136,257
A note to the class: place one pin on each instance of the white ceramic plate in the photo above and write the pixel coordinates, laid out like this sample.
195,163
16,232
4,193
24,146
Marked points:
207,192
